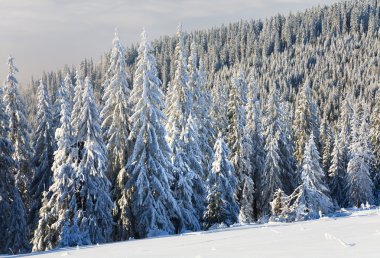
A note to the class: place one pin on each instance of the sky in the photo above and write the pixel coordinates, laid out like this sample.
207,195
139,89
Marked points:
47,34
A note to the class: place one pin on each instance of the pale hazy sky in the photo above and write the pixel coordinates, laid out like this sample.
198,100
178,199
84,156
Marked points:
47,34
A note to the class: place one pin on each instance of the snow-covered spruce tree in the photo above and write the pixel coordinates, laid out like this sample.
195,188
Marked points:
43,145
204,119
305,121
236,117
375,140
270,180
77,104
286,146
58,208
69,91
55,106
219,103
114,115
312,196
17,236
326,143
178,98
360,185
276,123
337,174
43,235
344,127
193,82
247,186
7,167
221,187
241,147
92,187
200,106
311,167
13,228
145,183
278,205
247,200
18,133
189,188
253,130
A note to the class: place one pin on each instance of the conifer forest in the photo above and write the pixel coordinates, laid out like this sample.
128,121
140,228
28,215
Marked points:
274,119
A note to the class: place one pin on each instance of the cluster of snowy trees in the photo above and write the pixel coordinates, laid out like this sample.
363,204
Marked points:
275,118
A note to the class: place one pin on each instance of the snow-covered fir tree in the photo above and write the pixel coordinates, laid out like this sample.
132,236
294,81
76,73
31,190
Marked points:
200,106
344,127
311,167
78,104
92,187
220,97
253,130
145,183
337,174
221,188
247,186
276,125
43,146
7,165
204,118
326,140
236,117
43,235
55,226
18,132
178,97
247,200
189,189
312,197
286,146
360,185
305,121
69,91
55,106
241,146
272,172
187,171
194,80
114,114
17,237
278,205
375,140
13,227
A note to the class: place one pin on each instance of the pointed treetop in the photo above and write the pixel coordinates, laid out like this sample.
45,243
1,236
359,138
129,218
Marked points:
180,35
116,39
67,78
78,76
143,36
179,28
12,67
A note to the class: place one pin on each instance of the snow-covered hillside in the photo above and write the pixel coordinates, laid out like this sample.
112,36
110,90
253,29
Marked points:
353,234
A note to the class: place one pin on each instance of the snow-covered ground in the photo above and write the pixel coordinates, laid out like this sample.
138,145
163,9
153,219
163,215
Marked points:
353,234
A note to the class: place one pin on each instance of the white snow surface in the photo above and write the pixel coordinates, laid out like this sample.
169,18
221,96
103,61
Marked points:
350,233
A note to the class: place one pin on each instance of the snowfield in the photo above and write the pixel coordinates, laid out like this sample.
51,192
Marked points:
353,233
